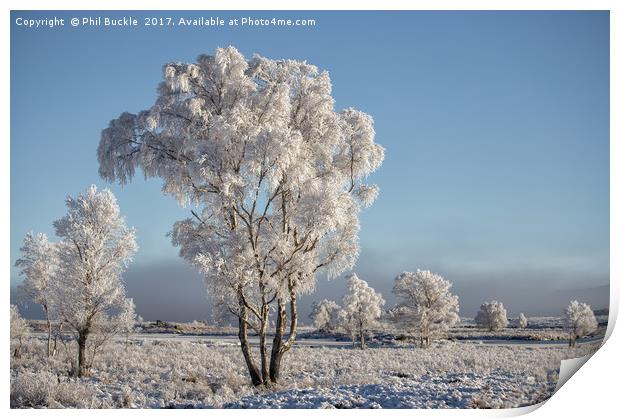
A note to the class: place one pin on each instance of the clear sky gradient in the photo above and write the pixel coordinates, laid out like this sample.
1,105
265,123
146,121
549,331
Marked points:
495,124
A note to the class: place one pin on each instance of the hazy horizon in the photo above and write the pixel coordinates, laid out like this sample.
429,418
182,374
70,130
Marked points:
185,299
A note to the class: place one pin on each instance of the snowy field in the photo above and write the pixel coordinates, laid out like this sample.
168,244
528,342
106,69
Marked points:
175,371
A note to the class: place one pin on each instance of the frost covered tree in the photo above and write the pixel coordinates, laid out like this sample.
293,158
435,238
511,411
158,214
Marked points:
579,320
94,250
38,262
522,321
361,308
325,315
492,316
276,177
19,331
427,305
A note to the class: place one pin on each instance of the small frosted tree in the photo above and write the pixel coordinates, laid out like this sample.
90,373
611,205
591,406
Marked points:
325,315
361,308
275,172
94,250
492,316
19,331
38,262
427,305
579,321
522,321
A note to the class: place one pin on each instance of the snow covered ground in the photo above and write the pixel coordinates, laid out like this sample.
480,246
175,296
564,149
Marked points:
160,371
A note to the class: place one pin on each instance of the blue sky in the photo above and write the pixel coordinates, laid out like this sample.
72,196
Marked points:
495,124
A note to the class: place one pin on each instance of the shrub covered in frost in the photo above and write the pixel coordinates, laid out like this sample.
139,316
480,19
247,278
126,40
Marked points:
46,389
579,321
427,306
19,332
324,315
492,316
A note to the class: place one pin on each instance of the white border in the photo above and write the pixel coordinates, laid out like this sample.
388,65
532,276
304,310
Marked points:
590,394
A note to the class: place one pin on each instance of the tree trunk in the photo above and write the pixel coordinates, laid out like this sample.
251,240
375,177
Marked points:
293,327
362,339
424,340
247,351
82,368
57,336
18,349
49,334
279,348
55,350
276,346
263,348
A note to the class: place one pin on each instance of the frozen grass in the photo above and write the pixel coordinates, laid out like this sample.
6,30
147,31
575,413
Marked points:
157,374
446,375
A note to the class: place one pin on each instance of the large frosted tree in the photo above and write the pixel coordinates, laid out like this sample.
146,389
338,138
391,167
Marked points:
579,321
361,309
426,304
275,176
94,250
492,316
38,263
